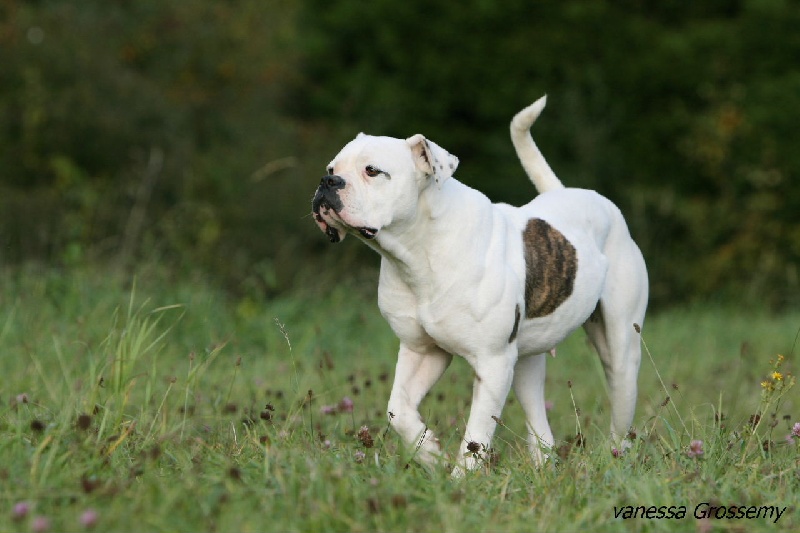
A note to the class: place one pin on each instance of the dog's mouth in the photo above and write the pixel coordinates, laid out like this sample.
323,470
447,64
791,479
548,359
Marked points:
331,222
368,233
321,213
330,231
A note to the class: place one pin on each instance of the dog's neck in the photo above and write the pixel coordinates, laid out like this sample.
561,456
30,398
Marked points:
416,248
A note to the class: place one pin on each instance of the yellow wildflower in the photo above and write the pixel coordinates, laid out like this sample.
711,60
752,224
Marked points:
777,376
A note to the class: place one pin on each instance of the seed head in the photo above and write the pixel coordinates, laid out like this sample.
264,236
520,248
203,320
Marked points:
365,437
84,421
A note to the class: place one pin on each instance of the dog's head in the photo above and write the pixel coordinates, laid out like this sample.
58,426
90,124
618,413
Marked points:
375,182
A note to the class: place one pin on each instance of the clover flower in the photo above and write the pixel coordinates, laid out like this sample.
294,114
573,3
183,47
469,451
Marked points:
20,510
794,434
328,410
366,437
40,524
89,518
695,448
346,405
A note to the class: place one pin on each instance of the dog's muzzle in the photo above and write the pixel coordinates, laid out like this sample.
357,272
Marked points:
326,200
327,195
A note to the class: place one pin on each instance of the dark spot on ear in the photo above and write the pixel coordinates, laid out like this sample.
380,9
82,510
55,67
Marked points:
451,166
516,326
550,267
425,152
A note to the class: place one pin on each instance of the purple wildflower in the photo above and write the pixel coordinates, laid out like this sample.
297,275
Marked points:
20,510
346,405
695,448
89,518
795,433
359,456
40,524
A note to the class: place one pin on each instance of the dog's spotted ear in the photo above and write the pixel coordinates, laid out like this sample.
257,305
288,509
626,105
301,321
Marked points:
432,159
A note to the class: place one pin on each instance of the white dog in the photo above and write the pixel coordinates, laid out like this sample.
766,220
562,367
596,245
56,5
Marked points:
494,284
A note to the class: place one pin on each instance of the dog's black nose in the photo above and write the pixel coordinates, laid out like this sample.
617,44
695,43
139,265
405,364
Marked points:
332,182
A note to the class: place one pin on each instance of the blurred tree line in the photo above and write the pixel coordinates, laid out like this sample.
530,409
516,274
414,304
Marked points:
193,132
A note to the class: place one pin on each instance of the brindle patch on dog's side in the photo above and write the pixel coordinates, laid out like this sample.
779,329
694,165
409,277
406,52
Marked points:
550,267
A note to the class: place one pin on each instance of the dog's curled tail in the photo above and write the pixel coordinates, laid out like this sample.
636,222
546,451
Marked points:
529,155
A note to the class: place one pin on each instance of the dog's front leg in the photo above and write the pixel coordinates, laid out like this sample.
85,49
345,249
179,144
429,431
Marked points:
493,377
414,376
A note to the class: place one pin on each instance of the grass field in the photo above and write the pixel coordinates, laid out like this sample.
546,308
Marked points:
160,405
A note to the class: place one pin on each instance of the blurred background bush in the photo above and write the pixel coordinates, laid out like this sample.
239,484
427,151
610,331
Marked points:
191,134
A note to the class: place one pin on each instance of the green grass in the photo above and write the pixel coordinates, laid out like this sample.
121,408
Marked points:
161,405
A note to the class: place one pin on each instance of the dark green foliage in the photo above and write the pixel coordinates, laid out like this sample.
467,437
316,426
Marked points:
681,113
146,128
194,132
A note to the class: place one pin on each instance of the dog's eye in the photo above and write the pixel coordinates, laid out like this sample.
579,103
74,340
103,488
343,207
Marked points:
372,171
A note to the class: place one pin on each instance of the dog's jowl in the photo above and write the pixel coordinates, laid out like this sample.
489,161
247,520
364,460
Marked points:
497,285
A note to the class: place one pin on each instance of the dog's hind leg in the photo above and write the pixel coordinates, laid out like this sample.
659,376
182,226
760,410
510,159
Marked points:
415,374
612,331
529,374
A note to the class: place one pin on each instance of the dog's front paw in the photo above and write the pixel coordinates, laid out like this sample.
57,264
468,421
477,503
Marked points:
429,453
458,473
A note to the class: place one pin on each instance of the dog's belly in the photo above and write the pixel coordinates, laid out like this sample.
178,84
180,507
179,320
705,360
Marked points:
459,329
542,334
